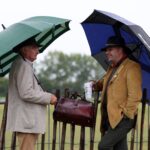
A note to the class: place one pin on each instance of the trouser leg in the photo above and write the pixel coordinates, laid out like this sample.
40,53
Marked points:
117,135
122,144
27,141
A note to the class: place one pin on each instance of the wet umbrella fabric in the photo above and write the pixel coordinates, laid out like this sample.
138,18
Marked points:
100,25
44,29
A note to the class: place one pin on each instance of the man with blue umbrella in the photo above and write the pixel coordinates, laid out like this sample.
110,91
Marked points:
27,100
121,93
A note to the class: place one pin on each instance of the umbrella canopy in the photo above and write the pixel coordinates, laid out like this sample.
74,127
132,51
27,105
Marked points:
100,25
44,29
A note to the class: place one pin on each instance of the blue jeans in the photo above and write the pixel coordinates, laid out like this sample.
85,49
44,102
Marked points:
116,139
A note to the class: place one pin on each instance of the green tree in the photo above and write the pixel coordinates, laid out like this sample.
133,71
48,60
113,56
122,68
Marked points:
3,86
60,71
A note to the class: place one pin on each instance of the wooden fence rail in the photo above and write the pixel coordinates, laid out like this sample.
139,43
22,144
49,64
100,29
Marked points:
72,127
137,141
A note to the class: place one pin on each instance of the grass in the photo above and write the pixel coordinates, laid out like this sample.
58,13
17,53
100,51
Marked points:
49,134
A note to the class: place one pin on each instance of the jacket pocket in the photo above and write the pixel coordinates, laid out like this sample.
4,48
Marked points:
28,119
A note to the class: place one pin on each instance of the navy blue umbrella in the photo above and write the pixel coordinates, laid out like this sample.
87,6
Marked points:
100,25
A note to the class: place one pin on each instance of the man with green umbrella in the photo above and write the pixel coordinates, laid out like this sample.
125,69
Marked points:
27,100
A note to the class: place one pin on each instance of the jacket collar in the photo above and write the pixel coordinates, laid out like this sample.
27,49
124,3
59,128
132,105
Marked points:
28,61
120,67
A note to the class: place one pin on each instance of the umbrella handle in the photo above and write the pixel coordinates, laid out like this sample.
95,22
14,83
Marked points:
3,27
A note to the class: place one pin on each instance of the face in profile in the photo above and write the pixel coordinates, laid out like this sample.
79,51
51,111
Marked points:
113,53
30,52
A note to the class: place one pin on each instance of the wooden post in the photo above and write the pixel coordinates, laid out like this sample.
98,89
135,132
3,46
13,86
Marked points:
3,125
92,129
72,136
43,142
63,137
92,134
13,141
54,134
142,117
133,133
82,138
55,124
66,93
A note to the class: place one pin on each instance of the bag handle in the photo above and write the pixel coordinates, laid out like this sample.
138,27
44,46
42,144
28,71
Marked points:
75,95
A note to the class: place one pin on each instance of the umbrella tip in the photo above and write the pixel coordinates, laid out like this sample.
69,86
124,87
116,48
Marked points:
3,27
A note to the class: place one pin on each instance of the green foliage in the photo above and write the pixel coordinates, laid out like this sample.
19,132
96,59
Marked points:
3,86
60,71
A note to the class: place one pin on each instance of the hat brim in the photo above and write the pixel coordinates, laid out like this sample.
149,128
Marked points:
126,49
111,45
17,48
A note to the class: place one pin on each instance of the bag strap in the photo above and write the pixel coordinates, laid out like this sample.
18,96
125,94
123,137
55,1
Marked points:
75,95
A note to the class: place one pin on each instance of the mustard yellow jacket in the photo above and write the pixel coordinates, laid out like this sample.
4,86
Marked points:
124,91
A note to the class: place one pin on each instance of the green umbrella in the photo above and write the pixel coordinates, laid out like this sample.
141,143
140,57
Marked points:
44,29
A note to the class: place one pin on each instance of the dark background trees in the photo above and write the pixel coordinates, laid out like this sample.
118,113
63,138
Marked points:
59,71
3,86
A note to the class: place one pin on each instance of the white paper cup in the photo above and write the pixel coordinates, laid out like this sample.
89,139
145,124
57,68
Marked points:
88,90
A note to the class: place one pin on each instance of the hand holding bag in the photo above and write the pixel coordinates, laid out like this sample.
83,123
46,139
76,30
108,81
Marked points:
74,111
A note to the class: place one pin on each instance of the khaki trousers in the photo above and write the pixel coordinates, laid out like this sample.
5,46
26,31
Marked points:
27,141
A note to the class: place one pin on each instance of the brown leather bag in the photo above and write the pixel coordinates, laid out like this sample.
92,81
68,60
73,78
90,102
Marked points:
74,111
